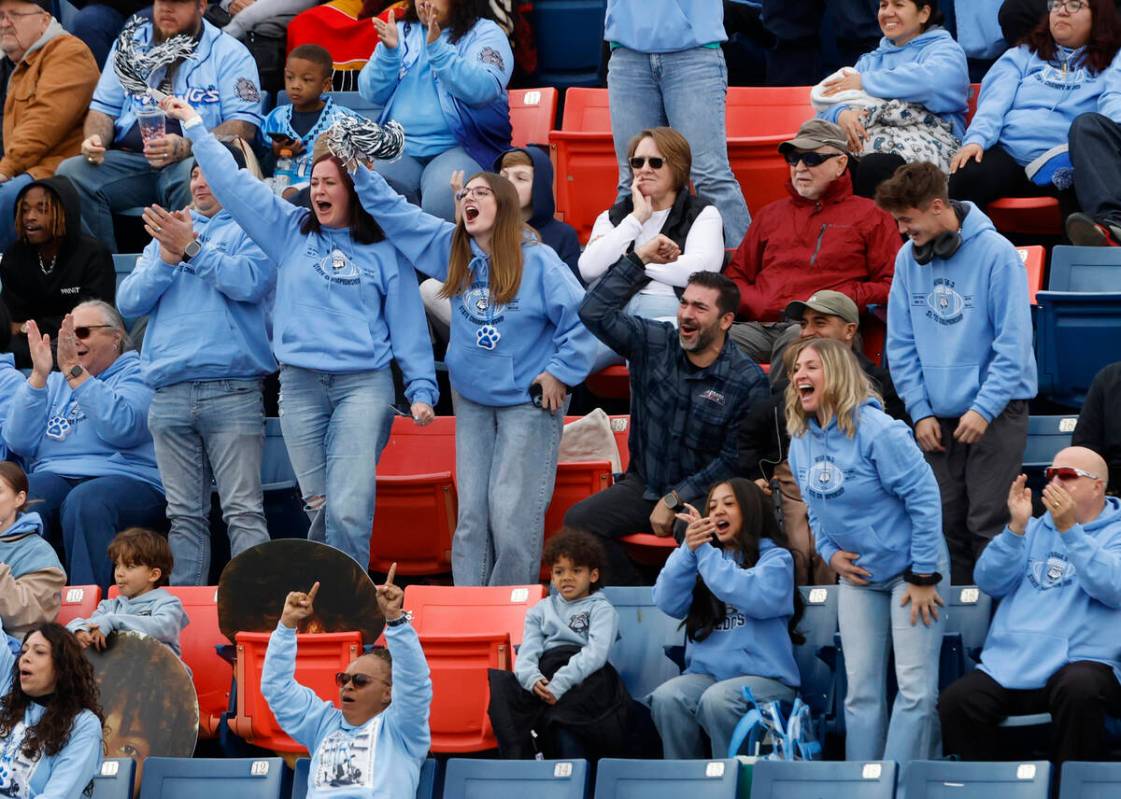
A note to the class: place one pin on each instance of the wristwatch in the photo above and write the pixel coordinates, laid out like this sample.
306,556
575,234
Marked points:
76,371
925,579
191,250
404,618
673,501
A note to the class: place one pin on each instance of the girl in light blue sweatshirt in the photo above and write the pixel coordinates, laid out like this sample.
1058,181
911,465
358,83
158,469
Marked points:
517,345
346,305
732,580
876,513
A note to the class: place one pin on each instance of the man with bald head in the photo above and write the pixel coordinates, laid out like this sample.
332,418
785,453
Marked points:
1055,642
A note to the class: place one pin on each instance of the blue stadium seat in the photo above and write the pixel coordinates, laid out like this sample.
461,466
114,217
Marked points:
213,778
426,788
819,624
934,779
541,779
1090,781
776,779
666,779
114,780
1085,269
1076,335
639,653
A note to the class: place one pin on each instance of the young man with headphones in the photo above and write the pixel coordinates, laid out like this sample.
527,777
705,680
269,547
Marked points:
959,346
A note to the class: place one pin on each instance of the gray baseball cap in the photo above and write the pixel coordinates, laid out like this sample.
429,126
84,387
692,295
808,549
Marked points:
816,133
830,303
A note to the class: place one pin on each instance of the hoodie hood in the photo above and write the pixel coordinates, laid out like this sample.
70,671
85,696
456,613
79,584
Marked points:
544,206
65,192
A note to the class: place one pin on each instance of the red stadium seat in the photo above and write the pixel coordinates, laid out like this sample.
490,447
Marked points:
416,507
1032,216
458,718
584,156
78,602
533,113
458,609
318,657
1034,258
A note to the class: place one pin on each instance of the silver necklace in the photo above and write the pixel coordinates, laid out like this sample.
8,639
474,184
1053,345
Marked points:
47,270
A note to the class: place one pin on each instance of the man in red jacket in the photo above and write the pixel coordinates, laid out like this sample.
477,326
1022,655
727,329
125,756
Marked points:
821,237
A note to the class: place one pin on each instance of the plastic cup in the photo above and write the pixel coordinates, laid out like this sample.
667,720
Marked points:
152,122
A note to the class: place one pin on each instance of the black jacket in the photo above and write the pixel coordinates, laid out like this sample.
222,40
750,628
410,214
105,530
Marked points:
83,269
1099,423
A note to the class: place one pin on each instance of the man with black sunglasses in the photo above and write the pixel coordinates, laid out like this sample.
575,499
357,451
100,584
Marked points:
1055,642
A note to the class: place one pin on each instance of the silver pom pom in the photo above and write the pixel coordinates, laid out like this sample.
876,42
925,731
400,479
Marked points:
352,139
134,66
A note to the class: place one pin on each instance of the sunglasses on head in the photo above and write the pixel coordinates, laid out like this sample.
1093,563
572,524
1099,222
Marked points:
359,680
810,159
1066,473
83,331
638,162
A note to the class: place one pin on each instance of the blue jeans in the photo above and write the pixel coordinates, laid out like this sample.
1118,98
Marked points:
124,180
687,91
426,181
204,432
506,464
873,624
9,190
688,705
648,306
335,427
87,512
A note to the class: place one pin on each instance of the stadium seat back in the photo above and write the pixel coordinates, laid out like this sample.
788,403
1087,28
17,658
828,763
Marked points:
935,779
1090,781
213,778
78,602
540,779
1034,258
1076,335
1085,269
533,113
425,789
458,719
666,779
569,39
114,779
461,609
776,779
639,651
319,656
818,626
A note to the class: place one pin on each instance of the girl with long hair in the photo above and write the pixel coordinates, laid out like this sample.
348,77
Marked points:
876,512
517,344
50,717
732,579
346,305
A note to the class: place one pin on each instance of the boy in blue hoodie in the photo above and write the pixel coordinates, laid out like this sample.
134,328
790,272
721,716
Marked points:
959,345
1055,643
142,565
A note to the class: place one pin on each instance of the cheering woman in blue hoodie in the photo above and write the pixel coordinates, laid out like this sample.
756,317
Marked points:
875,509
346,305
732,580
517,344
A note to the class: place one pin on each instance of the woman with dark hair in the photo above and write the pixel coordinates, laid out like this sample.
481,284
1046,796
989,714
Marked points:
346,305
517,346
875,509
673,231
1030,104
50,718
442,73
732,579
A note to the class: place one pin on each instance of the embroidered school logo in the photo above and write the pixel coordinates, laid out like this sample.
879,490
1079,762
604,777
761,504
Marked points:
580,622
712,395
246,89
1054,572
944,304
488,55
825,480
337,268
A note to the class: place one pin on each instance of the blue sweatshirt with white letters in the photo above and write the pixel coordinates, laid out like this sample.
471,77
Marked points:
959,333
589,622
753,638
873,494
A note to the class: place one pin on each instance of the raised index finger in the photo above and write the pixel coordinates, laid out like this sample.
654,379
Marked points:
392,572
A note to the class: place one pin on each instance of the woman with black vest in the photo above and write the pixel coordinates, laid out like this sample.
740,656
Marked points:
673,231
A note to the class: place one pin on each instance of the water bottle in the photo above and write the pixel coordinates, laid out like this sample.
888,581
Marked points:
285,173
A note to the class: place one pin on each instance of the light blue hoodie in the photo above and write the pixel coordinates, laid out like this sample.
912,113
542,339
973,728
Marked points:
340,306
61,776
540,330
664,26
873,494
753,638
959,333
589,622
96,430
10,380
156,613
930,70
207,317
1060,598
394,743
1027,104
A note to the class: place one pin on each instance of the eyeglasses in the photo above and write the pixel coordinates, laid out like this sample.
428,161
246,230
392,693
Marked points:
83,331
359,680
810,159
1067,473
478,192
638,162
1071,6
12,16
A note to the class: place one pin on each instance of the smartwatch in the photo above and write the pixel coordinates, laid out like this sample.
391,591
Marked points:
673,501
926,579
191,250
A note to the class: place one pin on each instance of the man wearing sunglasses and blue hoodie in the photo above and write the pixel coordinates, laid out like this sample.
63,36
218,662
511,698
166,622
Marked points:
1055,642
